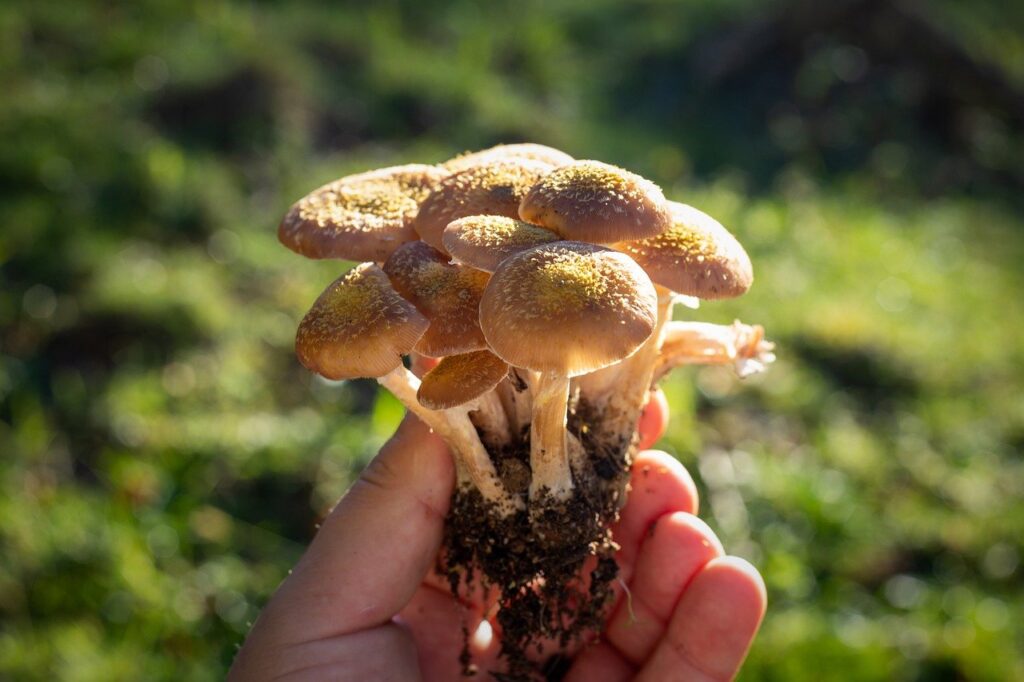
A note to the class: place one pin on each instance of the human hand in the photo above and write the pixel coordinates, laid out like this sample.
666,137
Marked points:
364,603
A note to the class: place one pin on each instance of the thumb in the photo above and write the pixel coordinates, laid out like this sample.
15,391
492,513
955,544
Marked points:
375,547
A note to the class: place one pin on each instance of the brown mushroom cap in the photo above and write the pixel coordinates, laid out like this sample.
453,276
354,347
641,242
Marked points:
458,379
358,327
360,217
494,188
595,202
567,308
695,257
526,150
484,241
448,295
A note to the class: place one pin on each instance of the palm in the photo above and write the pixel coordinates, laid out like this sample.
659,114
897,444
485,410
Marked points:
664,561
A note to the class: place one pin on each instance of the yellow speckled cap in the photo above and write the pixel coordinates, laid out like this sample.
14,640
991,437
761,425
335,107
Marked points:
568,308
448,295
525,150
483,241
457,379
360,217
594,202
359,327
494,188
695,257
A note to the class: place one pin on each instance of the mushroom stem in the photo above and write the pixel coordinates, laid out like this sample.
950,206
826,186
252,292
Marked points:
515,399
624,393
472,463
549,459
702,343
490,419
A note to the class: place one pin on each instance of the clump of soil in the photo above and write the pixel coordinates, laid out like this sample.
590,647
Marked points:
536,557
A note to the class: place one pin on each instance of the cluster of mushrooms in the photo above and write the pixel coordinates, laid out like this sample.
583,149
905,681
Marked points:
545,286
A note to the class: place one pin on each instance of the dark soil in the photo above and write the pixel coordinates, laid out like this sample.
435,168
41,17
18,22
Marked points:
536,557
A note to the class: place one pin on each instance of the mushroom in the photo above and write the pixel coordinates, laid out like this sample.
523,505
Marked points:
470,379
564,309
361,327
695,257
701,343
534,152
484,241
360,217
492,188
448,295
595,202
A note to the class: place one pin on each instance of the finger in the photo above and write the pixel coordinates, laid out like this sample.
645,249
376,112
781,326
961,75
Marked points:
659,485
437,623
375,547
600,663
713,625
421,364
678,547
653,419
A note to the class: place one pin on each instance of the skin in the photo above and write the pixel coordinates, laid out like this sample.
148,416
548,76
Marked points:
357,608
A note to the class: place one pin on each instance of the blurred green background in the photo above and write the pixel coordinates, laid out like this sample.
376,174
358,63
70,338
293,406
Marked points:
164,459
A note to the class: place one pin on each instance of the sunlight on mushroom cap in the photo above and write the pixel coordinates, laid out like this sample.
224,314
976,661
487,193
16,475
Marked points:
358,327
595,202
494,188
567,308
458,379
447,294
360,217
695,257
484,241
525,150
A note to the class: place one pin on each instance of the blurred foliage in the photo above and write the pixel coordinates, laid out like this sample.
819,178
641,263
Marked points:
164,458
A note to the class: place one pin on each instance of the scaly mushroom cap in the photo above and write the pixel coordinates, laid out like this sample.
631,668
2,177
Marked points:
567,308
696,256
358,327
594,202
457,379
448,295
360,217
494,188
525,150
484,241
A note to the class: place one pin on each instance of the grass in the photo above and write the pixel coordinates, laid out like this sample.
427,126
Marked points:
165,459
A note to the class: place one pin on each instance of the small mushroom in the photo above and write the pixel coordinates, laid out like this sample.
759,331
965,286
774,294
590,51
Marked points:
484,241
470,379
594,202
700,343
493,188
360,217
563,309
527,150
361,327
448,295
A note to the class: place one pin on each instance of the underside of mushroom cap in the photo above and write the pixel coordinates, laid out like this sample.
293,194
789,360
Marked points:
446,293
358,327
567,308
697,256
360,217
484,241
524,150
595,202
458,379
493,188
